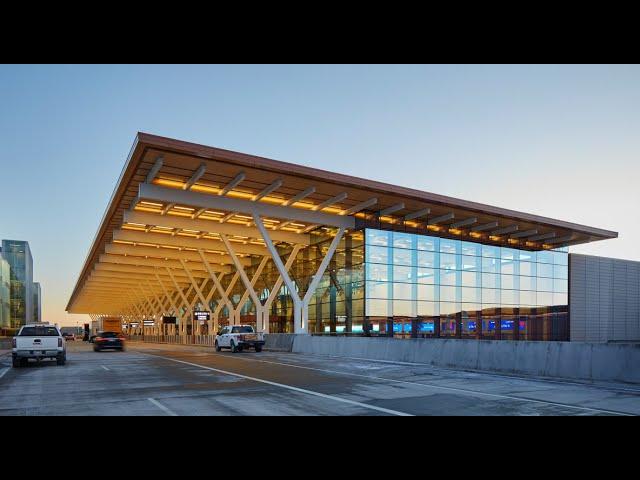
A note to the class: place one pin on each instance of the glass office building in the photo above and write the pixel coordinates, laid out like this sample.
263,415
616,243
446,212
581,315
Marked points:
18,255
37,302
5,293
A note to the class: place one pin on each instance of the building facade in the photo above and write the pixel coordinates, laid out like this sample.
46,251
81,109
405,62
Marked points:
295,249
18,256
604,295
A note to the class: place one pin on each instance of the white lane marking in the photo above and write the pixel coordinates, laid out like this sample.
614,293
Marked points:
104,368
162,407
3,372
289,387
430,385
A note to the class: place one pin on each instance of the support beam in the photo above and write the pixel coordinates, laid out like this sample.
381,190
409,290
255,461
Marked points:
209,226
441,218
391,209
360,206
420,213
484,226
197,175
155,169
232,184
194,284
526,233
167,253
182,241
157,193
152,262
331,201
464,223
505,230
564,239
276,184
224,296
544,236
300,196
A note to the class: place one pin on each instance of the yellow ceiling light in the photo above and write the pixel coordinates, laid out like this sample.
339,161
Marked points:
168,183
495,238
435,228
186,209
205,189
455,231
475,234
178,214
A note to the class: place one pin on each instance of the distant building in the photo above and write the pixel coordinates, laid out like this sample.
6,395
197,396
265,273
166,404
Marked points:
5,293
21,288
37,302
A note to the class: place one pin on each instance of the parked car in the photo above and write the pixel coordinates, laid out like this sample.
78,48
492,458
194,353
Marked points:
38,341
238,337
108,341
69,337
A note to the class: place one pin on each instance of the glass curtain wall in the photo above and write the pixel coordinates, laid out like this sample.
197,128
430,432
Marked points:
419,286
5,294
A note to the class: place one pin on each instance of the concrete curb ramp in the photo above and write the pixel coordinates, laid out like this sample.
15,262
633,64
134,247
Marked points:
572,360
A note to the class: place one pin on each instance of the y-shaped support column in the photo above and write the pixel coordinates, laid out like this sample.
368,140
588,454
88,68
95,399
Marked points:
300,305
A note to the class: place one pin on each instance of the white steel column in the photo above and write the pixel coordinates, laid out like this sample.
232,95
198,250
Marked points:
276,288
224,295
301,306
248,284
184,300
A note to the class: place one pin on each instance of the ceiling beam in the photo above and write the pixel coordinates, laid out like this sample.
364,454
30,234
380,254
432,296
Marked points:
169,253
197,175
420,213
509,229
151,262
484,226
300,196
155,169
391,209
210,226
276,184
544,236
185,241
526,233
441,218
331,201
360,206
232,184
464,223
203,200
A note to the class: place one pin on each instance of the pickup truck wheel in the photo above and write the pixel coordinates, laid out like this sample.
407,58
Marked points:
61,360
218,349
24,362
16,363
234,349
258,348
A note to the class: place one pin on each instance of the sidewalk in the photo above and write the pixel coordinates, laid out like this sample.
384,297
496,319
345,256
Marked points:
4,352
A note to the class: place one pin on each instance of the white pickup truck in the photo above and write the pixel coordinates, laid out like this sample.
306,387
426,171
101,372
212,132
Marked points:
238,337
38,341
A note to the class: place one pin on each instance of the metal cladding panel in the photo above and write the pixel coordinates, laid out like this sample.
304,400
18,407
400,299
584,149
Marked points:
604,299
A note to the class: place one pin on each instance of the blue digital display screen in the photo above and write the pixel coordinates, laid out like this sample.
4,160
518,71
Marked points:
427,327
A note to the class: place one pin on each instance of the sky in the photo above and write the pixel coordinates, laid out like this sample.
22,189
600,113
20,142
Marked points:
553,140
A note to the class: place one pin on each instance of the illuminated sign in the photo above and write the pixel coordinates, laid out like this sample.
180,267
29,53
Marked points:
169,320
201,316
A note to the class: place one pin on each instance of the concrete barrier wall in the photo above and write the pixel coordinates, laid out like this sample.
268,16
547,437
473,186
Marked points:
585,361
279,342
5,344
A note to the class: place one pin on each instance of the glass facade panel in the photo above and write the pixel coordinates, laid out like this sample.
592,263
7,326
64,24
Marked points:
447,287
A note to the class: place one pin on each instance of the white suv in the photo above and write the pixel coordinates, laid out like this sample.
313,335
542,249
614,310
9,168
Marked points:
238,337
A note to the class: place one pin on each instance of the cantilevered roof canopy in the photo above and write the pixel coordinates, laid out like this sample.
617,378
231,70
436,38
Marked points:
176,203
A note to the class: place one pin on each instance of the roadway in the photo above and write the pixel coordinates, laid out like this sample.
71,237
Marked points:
171,380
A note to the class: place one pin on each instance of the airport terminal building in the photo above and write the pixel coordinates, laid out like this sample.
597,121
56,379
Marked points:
196,237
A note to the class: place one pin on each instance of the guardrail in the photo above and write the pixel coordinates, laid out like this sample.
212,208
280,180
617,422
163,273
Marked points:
205,340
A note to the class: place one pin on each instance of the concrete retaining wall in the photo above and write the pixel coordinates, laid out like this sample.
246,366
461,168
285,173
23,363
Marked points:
585,361
279,342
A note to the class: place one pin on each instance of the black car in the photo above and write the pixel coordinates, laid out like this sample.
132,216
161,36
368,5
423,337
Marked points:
107,341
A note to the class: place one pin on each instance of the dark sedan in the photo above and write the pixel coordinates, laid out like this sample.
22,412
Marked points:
108,341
